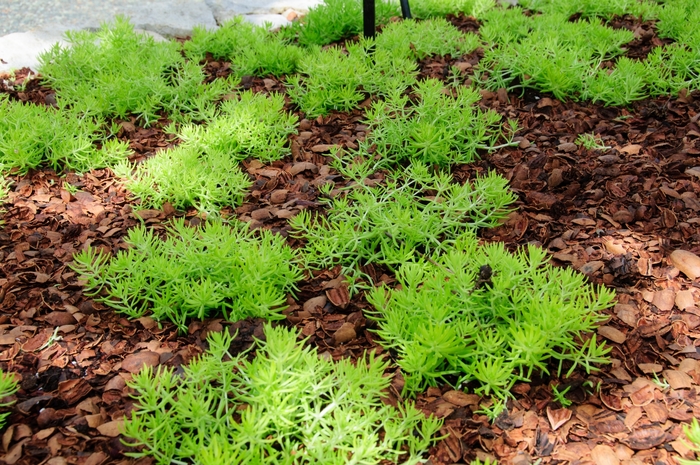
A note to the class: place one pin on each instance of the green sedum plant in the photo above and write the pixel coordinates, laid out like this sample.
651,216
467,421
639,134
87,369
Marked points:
117,72
414,212
438,129
692,433
288,405
252,50
433,8
203,171
333,20
594,8
333,79
482,314
419,39
193,273
8,386
33,136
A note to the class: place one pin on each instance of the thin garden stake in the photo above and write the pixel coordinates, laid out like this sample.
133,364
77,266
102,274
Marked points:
369,18
405,9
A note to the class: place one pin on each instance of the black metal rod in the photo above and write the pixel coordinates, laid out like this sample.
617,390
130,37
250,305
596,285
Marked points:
405,9
369,18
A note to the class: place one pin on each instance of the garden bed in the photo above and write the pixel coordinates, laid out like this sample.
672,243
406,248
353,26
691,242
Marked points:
608,191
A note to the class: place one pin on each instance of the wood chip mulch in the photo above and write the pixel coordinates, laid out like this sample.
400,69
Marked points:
615,215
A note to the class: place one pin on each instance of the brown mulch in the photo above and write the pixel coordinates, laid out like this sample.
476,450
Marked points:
614,215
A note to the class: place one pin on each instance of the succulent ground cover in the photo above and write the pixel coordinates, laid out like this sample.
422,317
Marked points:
605,191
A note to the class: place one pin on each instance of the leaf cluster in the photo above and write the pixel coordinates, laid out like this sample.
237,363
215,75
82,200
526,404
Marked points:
414,211
250,49
692,433
32,136
193,273
549,53
335,79
436,128
433,8
286,406
419,39
8,386
333,20
117,72
483,314
643,9
203,171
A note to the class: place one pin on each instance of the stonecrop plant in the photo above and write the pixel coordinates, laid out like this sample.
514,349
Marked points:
415,211
437,129
287,406
692,433
332,79
117,72
333,20
193,273
33,136
8,386
203,171
478,313
419,39
251,50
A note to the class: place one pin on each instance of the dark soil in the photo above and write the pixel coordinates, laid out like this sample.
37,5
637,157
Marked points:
614,214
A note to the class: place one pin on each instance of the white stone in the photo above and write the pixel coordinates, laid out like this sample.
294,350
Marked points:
226,9
274,21
22,49
171,18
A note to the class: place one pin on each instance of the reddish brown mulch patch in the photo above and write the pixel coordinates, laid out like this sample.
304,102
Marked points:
614,215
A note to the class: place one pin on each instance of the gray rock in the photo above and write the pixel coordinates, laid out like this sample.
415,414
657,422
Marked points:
22,49
226,9
274,21
171,18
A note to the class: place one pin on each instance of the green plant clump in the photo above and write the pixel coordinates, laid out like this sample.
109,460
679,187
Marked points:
480,313
331,79
417,40
194,273
8,386
643,9
252,50
32,136
415,211
333,20
433,8
439,129
692,432
286,406
203,171
117,72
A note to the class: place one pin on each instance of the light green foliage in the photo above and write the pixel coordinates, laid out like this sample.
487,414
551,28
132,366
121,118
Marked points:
418,40
33,136
549,53
447,318
437,129
432,8
8,386
203,171
194,273
286,406
624,84
591,142
337,19
333,80
692,432
678,20
594,8
415,211
118,72
672,68
556,55
252,50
